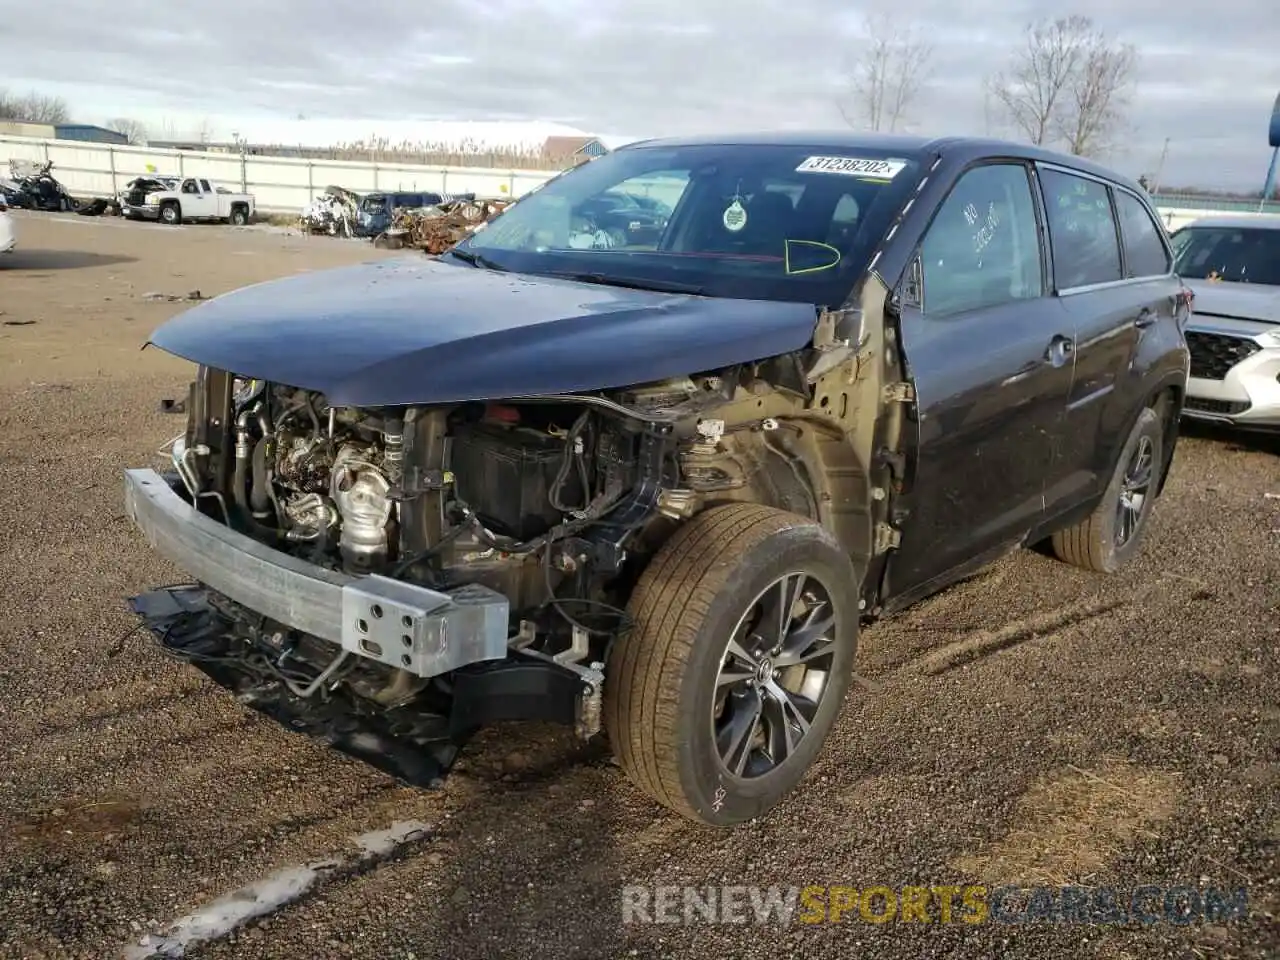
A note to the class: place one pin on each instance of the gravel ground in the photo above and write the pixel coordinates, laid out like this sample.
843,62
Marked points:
1035,725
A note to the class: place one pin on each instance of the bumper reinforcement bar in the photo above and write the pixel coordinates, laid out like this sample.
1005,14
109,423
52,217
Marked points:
425,632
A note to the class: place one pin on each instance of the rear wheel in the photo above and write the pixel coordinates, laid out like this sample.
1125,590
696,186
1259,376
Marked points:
722,694
1113,533
239,217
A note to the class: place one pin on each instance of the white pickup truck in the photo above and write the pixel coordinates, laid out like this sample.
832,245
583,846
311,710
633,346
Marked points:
193,199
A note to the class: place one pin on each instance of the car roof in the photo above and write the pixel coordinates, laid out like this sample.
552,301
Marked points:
961,147
1255,221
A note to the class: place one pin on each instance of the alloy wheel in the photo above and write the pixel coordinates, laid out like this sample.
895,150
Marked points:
776,668
1135,487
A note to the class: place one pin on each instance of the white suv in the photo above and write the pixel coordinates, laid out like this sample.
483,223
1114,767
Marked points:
8,228
1232,264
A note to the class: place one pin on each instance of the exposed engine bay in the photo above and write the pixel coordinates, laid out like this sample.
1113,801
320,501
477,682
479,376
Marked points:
515,496
554,504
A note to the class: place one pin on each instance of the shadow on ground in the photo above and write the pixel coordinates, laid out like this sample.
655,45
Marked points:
1240,440
21,259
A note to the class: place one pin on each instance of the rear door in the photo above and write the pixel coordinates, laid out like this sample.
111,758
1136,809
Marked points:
1111,299
990,356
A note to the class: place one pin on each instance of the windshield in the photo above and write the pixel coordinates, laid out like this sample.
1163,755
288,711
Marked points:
374,205
1235,254
751,222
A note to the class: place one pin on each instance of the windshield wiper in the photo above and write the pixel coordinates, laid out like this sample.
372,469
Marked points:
475,259
661,286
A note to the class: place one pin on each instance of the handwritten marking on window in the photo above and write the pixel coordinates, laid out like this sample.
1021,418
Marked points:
987,230
826,255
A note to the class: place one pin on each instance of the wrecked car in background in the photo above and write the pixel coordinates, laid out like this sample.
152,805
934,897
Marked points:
137,190
1232,264
656,488
333,213
32,186
377,211
435,229
11,193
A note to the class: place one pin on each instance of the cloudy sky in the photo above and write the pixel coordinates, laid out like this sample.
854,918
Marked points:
1208,76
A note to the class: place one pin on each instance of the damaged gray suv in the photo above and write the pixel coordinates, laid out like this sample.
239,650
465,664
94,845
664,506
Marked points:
652,488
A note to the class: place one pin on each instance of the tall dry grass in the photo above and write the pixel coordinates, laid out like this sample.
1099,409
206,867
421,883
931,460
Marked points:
465,153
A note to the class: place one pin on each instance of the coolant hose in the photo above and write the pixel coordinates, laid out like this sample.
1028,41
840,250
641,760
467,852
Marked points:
239,486
260,496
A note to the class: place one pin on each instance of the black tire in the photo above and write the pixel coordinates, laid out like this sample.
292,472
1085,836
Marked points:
171,214
239,217
661,680
1103,543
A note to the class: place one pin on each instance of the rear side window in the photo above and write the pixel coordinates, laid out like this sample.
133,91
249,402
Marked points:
983,247
1144,250
1086,249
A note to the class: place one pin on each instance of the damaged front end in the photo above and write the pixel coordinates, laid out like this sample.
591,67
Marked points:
392,579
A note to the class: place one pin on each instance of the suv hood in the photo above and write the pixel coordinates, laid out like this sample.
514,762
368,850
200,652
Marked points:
417,331
1239,301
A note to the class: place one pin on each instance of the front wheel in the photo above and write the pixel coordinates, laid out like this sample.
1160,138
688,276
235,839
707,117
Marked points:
170,214
722,693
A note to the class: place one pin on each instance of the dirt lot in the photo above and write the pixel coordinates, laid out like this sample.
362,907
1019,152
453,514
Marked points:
1034,725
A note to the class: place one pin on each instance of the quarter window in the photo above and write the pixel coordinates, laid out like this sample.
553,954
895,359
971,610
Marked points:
982,248
1082,231
1145,254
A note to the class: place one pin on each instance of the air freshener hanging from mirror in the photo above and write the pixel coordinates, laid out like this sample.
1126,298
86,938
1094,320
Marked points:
735,215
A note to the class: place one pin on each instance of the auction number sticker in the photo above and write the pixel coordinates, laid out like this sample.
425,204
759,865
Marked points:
853,167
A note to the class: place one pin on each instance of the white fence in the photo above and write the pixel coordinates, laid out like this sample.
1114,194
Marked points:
286,185
277,183
1175,217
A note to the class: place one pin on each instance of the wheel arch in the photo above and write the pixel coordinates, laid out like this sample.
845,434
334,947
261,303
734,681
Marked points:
802,464
1166,400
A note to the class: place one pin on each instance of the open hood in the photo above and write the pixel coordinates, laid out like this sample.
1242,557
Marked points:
418,331
1239,301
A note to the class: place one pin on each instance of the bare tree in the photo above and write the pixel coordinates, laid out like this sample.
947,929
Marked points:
133,130
33,108
1067,82
889,75
1099,94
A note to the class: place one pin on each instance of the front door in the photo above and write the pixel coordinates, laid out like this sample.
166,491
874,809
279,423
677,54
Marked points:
208,200
991,356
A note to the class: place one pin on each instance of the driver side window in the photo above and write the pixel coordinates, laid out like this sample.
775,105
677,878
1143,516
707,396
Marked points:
983,247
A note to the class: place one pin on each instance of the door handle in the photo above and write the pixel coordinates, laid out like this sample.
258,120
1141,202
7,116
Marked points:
1059,350
1146,317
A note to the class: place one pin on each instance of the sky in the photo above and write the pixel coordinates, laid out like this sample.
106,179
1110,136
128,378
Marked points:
515,71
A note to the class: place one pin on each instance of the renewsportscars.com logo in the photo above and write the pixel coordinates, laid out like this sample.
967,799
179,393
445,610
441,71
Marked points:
943,904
